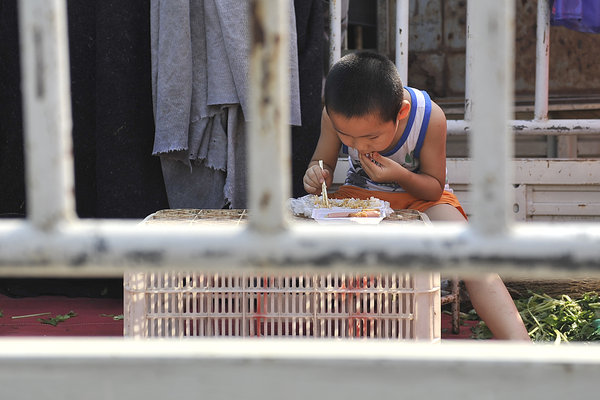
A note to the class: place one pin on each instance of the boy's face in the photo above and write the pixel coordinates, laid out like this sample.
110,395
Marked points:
367,134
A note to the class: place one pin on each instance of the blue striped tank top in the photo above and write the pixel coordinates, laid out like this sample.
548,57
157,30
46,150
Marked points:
407,150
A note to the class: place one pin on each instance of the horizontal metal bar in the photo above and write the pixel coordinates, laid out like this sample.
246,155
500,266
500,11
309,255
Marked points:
533,127
536,171
449,299
108,248
453,108
231,368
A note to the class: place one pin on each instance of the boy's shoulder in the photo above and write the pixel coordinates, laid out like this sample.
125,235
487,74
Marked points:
410,94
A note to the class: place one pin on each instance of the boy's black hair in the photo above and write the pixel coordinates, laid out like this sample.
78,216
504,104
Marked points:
363,83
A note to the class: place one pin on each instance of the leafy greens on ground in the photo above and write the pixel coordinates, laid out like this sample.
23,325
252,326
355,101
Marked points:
555,319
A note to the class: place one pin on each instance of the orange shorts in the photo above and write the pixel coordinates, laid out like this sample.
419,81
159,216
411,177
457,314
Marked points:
397,200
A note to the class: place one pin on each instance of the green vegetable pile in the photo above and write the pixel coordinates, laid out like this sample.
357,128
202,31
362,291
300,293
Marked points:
113,316
58,319
555,319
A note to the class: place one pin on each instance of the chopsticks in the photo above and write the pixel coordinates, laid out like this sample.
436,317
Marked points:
324,188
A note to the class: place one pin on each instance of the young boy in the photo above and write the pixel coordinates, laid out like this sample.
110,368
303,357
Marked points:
396,141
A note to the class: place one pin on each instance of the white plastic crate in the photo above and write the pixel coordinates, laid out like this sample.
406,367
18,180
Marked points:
385,306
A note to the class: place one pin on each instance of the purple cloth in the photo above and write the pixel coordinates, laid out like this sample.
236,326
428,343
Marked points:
579,15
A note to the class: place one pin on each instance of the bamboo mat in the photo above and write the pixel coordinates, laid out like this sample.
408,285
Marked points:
193,216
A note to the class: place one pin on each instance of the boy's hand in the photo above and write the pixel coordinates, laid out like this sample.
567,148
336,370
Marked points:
381,169
313,178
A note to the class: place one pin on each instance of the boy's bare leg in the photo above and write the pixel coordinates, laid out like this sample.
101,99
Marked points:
489,296
493,304
444,212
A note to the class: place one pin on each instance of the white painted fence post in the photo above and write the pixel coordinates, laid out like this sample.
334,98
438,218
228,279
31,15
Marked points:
491,139
402,26
47,112
468,63
335,31
542,56
269,131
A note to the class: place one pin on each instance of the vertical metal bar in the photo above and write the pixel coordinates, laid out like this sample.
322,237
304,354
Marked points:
269,131
542,55
47,112
469,64
383,27
402,25
491,141
335,31
455,305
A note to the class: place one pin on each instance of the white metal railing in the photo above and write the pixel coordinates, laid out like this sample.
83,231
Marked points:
540,125
52,242
292,369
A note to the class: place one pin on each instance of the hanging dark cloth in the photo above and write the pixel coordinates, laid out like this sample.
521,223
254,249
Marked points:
12,173
115,174
128,178
309,28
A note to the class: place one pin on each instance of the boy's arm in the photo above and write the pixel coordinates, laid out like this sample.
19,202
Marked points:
328,148
433,156
429,183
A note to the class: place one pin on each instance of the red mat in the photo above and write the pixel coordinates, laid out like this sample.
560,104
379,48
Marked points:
464,328
94,316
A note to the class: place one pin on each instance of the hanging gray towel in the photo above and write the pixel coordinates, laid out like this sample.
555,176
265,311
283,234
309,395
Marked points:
200,64
199,75
200,186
